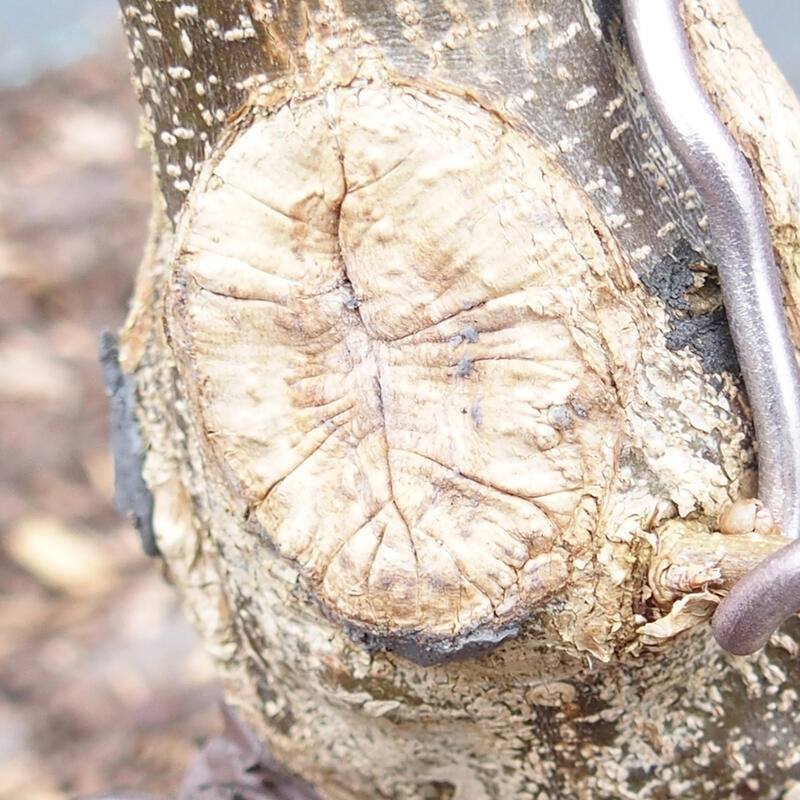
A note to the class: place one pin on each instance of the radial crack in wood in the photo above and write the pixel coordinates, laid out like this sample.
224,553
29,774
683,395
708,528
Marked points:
322,289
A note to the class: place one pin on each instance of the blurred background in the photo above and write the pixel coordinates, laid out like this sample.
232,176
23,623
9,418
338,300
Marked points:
102,684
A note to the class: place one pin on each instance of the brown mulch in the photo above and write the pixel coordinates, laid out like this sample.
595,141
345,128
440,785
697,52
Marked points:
102,684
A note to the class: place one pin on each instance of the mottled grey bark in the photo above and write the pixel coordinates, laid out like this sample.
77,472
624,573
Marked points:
595,692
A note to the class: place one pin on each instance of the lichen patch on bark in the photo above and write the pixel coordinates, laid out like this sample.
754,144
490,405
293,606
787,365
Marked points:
385,307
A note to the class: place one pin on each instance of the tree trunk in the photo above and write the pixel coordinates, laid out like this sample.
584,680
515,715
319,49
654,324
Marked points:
439,400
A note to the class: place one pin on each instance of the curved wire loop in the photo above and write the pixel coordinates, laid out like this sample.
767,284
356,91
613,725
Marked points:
752,294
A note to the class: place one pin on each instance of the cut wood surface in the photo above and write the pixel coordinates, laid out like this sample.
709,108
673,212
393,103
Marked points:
440,400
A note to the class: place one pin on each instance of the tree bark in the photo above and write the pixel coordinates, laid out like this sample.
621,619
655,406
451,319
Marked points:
481,182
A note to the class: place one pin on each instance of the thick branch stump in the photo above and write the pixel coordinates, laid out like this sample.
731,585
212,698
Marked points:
439,400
